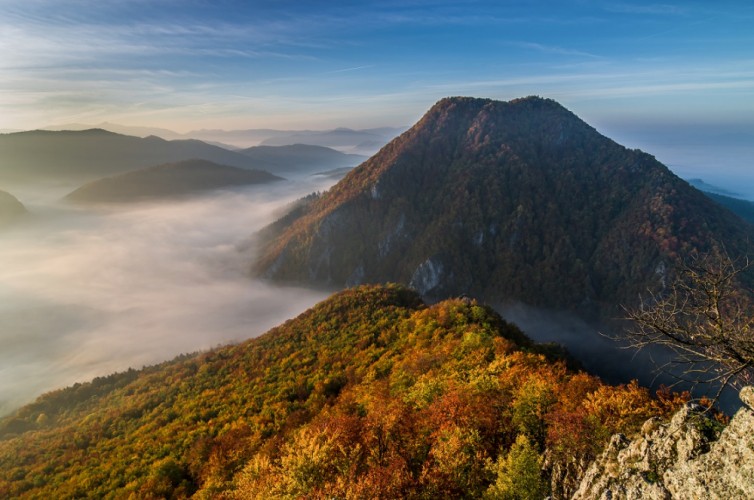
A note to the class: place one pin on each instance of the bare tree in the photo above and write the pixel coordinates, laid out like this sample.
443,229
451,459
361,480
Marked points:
705,317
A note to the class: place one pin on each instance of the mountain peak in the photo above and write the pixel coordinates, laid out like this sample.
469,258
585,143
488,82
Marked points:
481,122
477,104
503,200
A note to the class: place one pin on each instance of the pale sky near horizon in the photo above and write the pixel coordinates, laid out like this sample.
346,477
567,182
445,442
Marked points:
194,64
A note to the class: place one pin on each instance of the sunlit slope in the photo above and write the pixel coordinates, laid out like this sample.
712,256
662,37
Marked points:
370,394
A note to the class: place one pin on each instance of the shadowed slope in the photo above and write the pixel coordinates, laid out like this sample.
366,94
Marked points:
10,208
502,200
167,181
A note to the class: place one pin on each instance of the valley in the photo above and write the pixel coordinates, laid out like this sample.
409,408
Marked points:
420,250
89,290
276,299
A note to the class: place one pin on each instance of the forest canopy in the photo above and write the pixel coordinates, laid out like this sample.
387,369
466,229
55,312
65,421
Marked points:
371,393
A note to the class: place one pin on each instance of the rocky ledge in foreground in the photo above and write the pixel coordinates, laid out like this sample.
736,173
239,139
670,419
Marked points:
686,458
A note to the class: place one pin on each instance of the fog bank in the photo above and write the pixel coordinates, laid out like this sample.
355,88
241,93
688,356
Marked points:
85,292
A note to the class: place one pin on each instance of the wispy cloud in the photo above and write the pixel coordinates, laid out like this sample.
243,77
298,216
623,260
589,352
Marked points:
554,49
348,70
131,56
644,8
657,89
608,87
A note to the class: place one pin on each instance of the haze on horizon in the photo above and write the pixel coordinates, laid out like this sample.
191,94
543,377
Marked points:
657,76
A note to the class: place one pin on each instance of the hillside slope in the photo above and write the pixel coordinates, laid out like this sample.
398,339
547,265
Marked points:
502,200
91,154
167,181
10,208
370,394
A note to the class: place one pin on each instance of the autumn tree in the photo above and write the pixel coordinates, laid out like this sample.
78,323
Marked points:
705,318
518,474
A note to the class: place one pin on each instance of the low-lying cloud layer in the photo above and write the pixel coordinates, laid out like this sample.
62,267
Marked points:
86,293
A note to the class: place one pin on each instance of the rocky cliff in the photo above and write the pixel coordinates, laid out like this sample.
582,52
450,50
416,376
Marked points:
688,458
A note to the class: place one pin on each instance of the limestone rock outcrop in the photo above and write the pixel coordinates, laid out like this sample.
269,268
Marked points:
689,457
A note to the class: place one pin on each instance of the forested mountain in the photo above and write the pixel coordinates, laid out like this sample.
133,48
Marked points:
742,208
10,208
345,139
365,141
701,185
167,181
369,394
95,153
92,154
731,201
503,200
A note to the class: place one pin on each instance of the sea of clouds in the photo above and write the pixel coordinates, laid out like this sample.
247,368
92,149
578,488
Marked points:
85,292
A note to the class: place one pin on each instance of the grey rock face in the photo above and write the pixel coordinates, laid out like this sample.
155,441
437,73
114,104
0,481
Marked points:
687,458
747,396
427,276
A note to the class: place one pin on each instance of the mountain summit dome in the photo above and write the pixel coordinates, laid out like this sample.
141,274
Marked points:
502,200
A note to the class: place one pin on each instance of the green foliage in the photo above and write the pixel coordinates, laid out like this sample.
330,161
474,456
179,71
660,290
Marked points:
369,394
533,402
518,475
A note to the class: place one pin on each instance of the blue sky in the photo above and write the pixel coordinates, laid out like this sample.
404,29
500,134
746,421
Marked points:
312,64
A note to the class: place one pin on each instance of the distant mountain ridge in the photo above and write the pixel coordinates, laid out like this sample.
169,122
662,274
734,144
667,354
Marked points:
344,139
361,141
742,208
299,158
94,153
169,180
710,188
137,131
516,200
730,200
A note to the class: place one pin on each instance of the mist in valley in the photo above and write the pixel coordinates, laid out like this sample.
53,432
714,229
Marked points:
600,351
88,291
